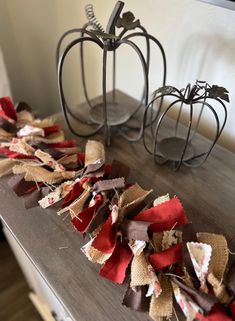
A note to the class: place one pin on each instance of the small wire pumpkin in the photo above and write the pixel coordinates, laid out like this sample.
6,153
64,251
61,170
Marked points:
181,147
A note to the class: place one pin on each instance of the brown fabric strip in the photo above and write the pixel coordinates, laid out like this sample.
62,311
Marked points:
99,218
135,230
7,126
31,200
23,106
136,210
137,300
4,135
19,185
186,278
55,153
118,169
39,145
109,184
157,241
204,300
178,310
92,168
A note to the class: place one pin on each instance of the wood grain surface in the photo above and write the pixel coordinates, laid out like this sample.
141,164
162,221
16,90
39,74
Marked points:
207,193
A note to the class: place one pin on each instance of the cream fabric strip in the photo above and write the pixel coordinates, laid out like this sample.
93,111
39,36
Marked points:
68,159
130,199
58,194
220,255
218,263
29,130
24,117
188,307
161,307
69,150
219,289
48,160
43,123
50,139
93,254
94,152
19,145
200,254
161,199
171,238
6,166
139,271
39,174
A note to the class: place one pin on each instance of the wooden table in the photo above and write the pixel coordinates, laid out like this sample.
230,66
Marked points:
207,193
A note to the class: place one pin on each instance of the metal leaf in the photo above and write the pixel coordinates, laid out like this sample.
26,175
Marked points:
218,92
127,21
128,17
165,90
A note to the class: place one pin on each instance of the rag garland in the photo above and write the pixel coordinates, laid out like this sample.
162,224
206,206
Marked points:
169,267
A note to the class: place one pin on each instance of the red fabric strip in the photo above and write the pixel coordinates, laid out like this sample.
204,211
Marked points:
81,158
160,260
115,267
164,216
52,129
105,241
73,194
8,108
2,115
107,170
216,314
33,188
81,221
84,218
20,156
65,144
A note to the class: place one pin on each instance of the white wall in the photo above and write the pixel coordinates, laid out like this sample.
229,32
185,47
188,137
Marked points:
199,41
